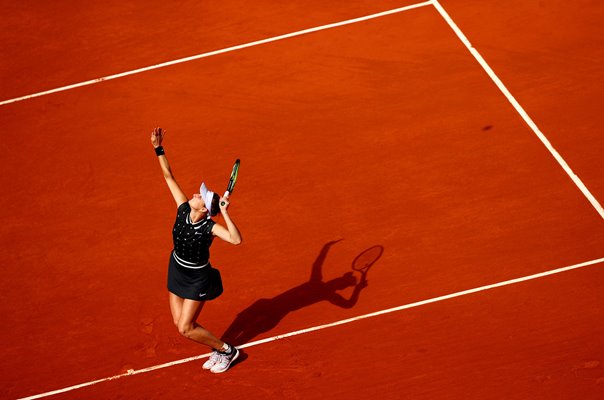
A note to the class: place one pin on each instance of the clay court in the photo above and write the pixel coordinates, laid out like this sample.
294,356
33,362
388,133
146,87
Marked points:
461,138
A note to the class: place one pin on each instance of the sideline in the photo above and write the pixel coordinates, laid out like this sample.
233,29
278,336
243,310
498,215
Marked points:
577,181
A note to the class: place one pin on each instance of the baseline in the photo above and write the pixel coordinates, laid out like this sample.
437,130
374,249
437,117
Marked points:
330,325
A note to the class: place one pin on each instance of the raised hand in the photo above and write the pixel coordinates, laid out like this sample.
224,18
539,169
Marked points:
157,136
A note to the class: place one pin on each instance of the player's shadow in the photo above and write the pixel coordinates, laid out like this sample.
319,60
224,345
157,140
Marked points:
265,314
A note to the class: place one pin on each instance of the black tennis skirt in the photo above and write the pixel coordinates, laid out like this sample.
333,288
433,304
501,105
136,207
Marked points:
194,284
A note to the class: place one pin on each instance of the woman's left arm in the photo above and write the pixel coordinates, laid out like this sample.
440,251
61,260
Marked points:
231,233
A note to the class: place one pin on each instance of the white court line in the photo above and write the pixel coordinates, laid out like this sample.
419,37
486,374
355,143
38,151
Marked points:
216,52
594,202
519,109
316,328
482,62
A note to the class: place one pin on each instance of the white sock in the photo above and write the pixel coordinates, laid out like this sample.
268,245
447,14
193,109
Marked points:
225,348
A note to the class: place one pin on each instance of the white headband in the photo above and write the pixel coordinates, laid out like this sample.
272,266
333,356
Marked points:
207,196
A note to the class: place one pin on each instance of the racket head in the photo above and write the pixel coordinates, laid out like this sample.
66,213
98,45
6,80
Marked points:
367,258
233,178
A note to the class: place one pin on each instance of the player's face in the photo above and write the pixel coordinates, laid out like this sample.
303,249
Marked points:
197,202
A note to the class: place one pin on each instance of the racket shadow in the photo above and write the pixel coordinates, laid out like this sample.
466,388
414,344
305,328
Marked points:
265,314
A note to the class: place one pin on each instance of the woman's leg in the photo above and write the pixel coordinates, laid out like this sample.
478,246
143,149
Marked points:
175,307
189,328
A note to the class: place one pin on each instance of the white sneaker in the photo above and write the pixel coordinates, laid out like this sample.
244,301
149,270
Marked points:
214,358
225,361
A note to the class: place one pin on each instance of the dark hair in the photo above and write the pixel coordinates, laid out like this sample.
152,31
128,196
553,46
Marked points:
215,205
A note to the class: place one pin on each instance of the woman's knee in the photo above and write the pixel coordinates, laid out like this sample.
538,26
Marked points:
184,328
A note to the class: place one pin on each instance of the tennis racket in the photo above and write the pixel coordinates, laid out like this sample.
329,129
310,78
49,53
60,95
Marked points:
232,180
367,258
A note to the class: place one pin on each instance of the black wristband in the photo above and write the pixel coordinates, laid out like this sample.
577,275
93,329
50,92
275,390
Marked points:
159,151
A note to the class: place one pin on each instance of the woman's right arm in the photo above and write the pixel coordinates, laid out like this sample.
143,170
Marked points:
157,137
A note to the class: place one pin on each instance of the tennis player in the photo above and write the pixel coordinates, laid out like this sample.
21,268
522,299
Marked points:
191,279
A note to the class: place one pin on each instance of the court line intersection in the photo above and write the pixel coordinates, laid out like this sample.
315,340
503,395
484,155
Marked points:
215,52
576,180
487,69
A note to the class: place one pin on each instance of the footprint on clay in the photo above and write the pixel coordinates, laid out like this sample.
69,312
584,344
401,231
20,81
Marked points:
589,365
147,325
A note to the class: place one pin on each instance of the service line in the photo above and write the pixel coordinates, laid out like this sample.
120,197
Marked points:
590,197
330,325
217,52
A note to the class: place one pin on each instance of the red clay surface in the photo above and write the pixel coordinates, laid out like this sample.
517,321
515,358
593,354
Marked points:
385,132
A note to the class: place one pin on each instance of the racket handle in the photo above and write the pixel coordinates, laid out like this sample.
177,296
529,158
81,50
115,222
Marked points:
222,203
